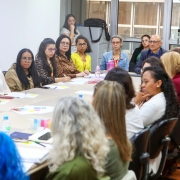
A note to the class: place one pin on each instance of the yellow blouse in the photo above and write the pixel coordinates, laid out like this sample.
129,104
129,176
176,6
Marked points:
81,64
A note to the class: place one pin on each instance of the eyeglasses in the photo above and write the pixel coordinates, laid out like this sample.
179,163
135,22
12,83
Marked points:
153,42
71,21
65,43
51,49
83,44
145,40
28,59
116,42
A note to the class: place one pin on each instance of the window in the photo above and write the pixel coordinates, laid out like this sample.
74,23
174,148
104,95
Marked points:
138,18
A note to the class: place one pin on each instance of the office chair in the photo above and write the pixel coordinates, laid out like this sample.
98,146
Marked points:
140,156
159,141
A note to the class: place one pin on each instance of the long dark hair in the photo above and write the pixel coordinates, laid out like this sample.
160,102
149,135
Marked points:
88,50
122,77
41,55
59,39
145,35
172,104
32,70
66,23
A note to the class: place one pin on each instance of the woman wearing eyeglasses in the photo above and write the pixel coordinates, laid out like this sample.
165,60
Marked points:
81,59
23,74
69,29
65,66
46,64
137,52
119,58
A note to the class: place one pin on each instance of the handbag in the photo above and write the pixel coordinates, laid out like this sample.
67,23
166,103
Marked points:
95,22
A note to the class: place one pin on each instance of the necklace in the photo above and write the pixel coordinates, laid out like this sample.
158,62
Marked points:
83,58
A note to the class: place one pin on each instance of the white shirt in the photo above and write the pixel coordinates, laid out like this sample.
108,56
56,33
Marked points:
4,89
134,123
153,109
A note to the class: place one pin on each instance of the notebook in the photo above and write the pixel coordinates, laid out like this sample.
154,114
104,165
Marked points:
33,155
19,136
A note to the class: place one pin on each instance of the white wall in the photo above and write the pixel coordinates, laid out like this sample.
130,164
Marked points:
24,24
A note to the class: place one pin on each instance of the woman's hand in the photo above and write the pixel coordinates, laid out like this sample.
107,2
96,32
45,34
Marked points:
63,79
140,96
86,72
81,74
72,27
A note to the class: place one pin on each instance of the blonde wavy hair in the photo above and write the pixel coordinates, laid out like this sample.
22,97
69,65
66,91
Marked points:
76,127
171,62
110,104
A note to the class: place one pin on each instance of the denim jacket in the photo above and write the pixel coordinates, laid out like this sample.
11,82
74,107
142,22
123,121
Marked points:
107,56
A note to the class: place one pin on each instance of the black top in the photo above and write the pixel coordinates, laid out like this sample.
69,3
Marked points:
133,59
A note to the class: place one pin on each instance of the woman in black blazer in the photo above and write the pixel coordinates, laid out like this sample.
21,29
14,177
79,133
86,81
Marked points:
137,52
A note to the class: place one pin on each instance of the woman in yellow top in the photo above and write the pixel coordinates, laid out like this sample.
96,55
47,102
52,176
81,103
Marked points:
81,60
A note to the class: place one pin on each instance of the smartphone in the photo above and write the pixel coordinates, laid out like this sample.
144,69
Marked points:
46,136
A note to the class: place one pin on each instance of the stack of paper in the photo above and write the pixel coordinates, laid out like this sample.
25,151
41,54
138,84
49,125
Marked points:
33,155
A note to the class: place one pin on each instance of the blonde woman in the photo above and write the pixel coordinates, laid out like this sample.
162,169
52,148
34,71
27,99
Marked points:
171,62
109,103
79,142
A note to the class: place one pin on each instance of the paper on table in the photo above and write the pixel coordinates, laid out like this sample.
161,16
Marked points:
27,166
33,109
76,81
22,95
85,92
56,87
33,155
4,101
93,75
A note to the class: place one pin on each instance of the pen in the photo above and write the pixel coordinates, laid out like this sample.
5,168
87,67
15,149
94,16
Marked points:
38,143
64,75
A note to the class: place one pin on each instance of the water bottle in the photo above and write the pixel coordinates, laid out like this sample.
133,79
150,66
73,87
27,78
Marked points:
110,65
80,96
97,72
6,125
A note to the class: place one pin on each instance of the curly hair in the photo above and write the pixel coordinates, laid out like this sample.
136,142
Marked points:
171,61
172,104
10,160
77,128
122,77
109,103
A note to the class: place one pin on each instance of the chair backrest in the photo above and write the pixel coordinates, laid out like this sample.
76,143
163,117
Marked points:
158,131
175,135
140,145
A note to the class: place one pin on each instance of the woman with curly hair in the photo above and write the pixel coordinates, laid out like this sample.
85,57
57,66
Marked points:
10,160
171,61
133,119
163,102
79,142
109,103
